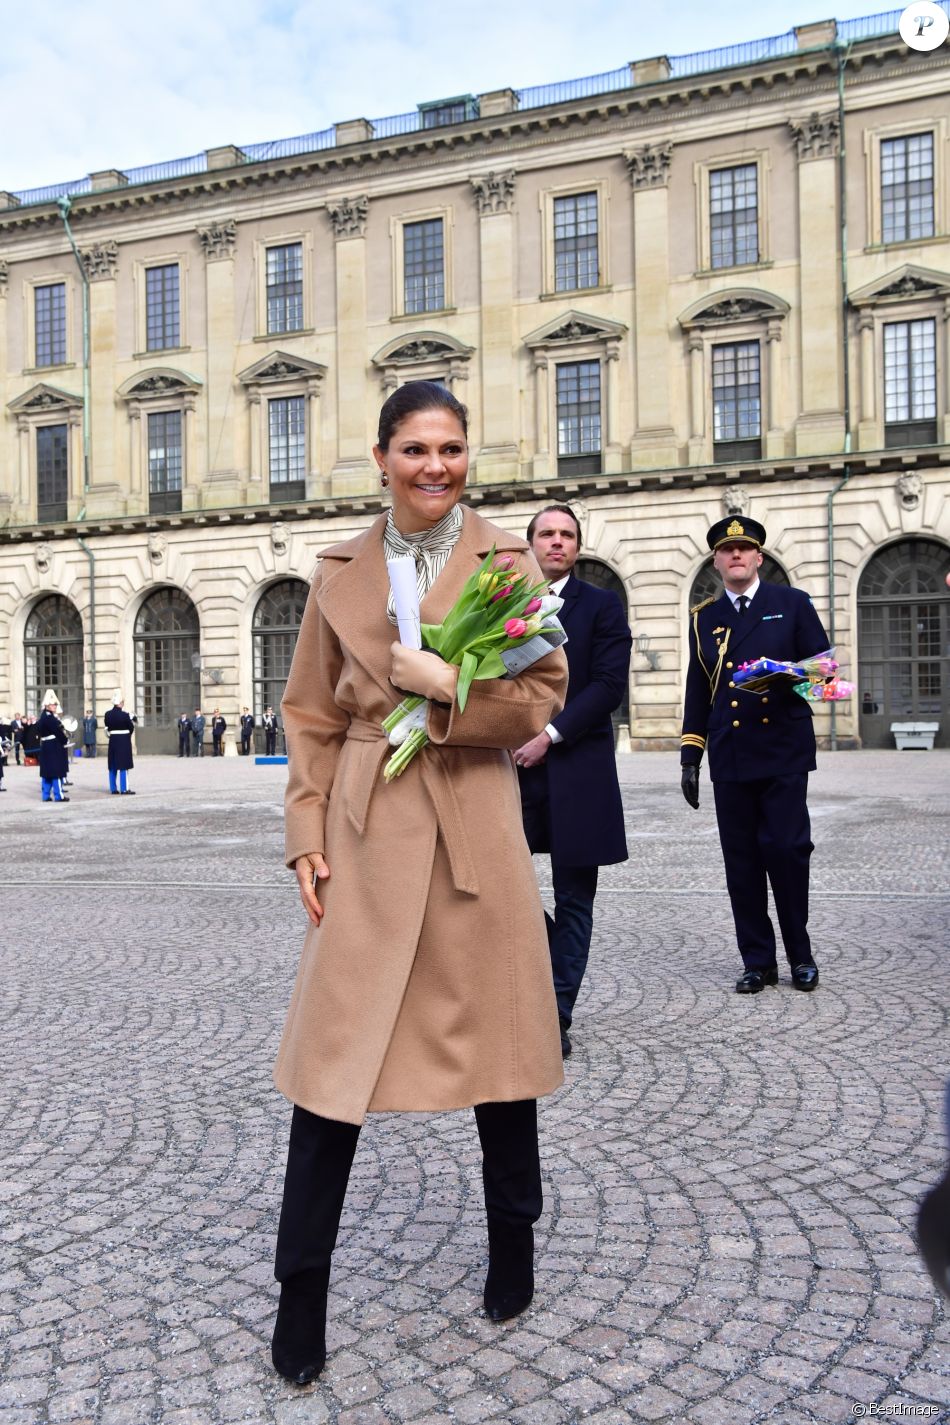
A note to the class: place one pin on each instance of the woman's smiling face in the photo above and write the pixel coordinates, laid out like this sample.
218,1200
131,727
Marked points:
427,465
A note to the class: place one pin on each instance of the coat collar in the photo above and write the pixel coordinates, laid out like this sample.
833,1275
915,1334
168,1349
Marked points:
744,624
354,587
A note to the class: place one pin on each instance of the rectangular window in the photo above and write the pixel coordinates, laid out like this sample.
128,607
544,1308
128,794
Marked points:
578,418
733,216
50,324
162,308
737,401
164,462
575,242
52,472
287,430
448,111
424,266
910,382
907,188
285,288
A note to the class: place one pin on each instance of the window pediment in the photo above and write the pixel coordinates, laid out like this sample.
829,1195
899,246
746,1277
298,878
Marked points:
43,400
278,367
738,304
420,347
160,383
573,328
907,283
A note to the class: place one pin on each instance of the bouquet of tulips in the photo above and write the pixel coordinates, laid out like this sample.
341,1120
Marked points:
815,679
486,635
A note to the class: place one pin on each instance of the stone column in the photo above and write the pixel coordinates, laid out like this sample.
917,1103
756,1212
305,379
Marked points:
26,503
868,438
654,442
108,483
255,474
314,479
353,470
541,464
138,495
697,399
774,444
222,483
945,437
819,428
498,453
613,450
191,483
7,432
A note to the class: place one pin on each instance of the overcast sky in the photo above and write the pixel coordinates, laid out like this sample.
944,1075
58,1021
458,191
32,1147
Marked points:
86,86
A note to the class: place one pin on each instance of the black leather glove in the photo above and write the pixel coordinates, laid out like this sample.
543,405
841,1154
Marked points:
689,781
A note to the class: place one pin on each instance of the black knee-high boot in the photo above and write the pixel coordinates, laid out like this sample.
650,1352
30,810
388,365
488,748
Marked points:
511,1173
318,1168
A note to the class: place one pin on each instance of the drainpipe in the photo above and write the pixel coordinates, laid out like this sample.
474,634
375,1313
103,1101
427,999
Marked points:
840,50
64,205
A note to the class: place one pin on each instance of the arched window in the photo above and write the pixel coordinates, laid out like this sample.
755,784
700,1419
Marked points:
904,639
708,584
593,571
167,680
276,625
52,648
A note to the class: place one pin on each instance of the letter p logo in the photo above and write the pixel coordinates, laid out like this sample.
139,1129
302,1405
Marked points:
924,26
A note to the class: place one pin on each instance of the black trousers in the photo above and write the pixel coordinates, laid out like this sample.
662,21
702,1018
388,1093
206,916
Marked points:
270,739
569,931
320,1156
765,833
245,744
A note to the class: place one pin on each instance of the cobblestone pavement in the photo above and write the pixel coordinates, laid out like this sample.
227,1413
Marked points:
731,1181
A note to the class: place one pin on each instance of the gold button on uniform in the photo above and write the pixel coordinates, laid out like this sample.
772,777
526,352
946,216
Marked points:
736,723
765,719
733,704
732,685
764,701
728,665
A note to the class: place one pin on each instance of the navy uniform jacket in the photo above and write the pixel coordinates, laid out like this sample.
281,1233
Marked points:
571,801
750,735
53,757
119,725
218,728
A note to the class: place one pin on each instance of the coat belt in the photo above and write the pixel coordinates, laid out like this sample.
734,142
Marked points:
50,737
438,783
118,732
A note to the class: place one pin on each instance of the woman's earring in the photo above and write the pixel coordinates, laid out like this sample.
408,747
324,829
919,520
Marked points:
383,479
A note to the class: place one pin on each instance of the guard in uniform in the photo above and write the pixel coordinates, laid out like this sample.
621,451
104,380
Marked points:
119,728
51,750
247,728
761,748
184,735
269,722
218,729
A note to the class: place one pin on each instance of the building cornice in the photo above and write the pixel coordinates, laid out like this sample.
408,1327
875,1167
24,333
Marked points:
670,100
698,477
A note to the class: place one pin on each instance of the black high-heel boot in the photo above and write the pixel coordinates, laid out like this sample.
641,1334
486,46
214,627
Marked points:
509,1285
299,1347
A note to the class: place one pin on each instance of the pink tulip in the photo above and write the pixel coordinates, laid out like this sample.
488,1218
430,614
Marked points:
516,628
533,606
504,561
502,594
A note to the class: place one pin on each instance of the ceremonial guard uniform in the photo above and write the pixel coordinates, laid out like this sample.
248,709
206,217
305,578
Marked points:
247,727
218,727
761,748
198,732
270,734
184,735
90,724
53,757
119,728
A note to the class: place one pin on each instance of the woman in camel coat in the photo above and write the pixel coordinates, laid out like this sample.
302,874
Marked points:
425,979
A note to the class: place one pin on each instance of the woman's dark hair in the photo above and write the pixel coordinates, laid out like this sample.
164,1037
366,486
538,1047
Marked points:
555,509
417,396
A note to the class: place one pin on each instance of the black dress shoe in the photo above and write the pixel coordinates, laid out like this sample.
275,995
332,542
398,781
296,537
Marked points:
299,1347
565,1041
933,1233
128,793
754,980
509,1285
804,977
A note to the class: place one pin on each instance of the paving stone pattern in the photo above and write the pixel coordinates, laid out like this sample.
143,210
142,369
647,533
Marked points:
730,1181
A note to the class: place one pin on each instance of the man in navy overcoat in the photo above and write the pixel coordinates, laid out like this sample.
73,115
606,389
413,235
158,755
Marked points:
119,728
761,748
52,753
570,795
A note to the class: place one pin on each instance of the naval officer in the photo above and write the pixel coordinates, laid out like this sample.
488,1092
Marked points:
761,748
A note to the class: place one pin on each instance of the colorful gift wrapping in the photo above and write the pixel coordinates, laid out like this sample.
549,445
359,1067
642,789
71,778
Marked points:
815,678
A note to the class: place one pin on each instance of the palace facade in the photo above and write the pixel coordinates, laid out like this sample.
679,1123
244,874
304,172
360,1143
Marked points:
644,285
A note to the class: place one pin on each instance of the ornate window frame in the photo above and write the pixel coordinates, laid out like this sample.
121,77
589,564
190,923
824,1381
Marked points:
159,388
139,297
702,169
422,356
261,244
397,227
906,293
277,375
46,405
546,197
575,336
940,128
29,286
736,314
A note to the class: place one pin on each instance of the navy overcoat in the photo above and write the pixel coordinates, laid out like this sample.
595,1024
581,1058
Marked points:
119,726
571,801
750,735
53,757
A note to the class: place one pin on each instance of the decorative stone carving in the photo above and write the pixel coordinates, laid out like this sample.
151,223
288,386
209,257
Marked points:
156,547
160,386
740,304
909,285
348,217
817,136
100,261
278,366
909,488
736,309
218,240
278,537
281,369
423,349
495,192
735,501
649,166
42,556
44,401
575,331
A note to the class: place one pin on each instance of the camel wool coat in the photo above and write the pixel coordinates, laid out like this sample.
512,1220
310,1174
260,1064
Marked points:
428,985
